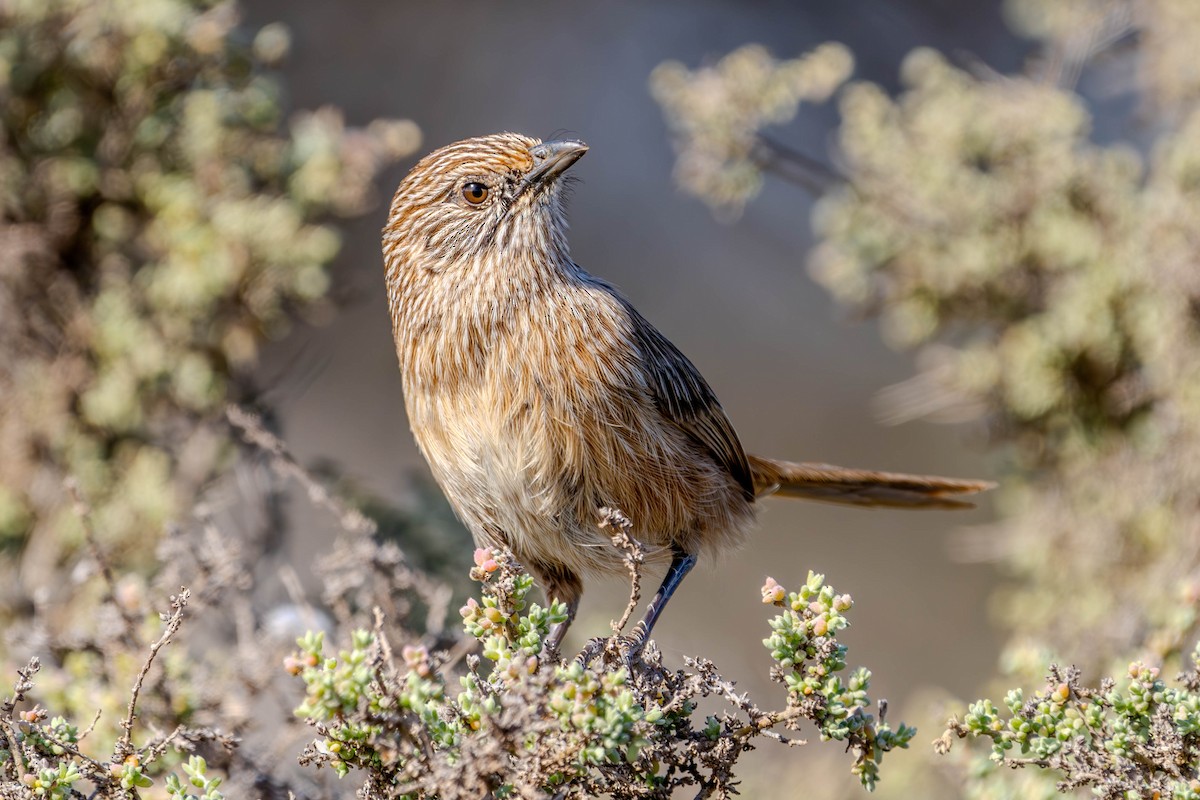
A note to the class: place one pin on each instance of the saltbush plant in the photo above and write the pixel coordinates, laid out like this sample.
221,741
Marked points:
612,721
1129,737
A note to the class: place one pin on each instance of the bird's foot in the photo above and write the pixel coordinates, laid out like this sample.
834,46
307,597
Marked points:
551,655
619,650
594,647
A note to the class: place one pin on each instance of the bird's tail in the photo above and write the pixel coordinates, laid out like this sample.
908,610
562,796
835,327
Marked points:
859,487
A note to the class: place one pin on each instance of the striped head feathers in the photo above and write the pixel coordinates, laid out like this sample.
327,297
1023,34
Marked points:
480,199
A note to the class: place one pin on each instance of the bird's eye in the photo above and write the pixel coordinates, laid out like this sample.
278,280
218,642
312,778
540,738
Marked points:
474,193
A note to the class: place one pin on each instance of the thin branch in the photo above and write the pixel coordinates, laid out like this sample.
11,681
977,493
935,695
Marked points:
761,724
124,747
385,647
10,741
96,770
808,173
83,510
1067,58
614,520
20,689
251,428
88,730
185,738
457,652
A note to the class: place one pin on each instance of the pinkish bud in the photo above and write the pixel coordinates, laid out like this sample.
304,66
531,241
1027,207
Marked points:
772,592
414,655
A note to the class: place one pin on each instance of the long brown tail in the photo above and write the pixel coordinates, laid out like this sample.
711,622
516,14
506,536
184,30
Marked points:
859,487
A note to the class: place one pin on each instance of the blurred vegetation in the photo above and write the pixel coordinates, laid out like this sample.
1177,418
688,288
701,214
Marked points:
159,218
720,112
1050,285
121,699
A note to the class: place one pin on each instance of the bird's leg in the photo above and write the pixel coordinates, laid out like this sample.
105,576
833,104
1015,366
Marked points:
681,564
565,586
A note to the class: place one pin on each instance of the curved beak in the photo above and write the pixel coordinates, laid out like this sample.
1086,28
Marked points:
551,159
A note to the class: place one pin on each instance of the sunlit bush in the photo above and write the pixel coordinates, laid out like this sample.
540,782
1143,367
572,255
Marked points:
159,217
1049,285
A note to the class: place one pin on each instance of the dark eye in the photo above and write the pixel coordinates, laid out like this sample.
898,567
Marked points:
474,193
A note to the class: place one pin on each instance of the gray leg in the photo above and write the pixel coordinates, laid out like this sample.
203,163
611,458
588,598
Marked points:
681,565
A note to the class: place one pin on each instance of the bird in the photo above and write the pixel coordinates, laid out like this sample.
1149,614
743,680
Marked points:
539,395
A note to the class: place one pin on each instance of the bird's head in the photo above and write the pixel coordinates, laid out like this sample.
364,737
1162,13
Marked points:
479,199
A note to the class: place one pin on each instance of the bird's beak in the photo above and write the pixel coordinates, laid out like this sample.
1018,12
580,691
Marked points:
551,159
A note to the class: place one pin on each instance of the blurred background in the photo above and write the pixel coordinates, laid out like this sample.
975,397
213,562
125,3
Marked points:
796,374
979,213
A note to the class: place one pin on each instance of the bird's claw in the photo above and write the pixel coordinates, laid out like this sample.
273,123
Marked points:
593,648
619,650
550,655
631,648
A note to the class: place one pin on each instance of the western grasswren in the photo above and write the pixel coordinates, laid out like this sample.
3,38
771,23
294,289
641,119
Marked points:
538,394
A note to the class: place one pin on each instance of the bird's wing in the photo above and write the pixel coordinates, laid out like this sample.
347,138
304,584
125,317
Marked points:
683,396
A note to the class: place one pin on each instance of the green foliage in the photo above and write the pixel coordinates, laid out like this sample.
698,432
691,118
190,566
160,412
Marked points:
53,783
43,756
160,703
716,113
1013,223
612,721
809,661
158,219
1054,278
196,770
1048,283
1123,739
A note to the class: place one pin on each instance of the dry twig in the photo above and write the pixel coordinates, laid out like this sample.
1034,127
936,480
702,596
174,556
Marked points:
614,520
20,689
124,747
83,510
250,426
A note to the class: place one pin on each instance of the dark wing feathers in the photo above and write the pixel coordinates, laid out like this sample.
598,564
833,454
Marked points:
683,396
686,399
